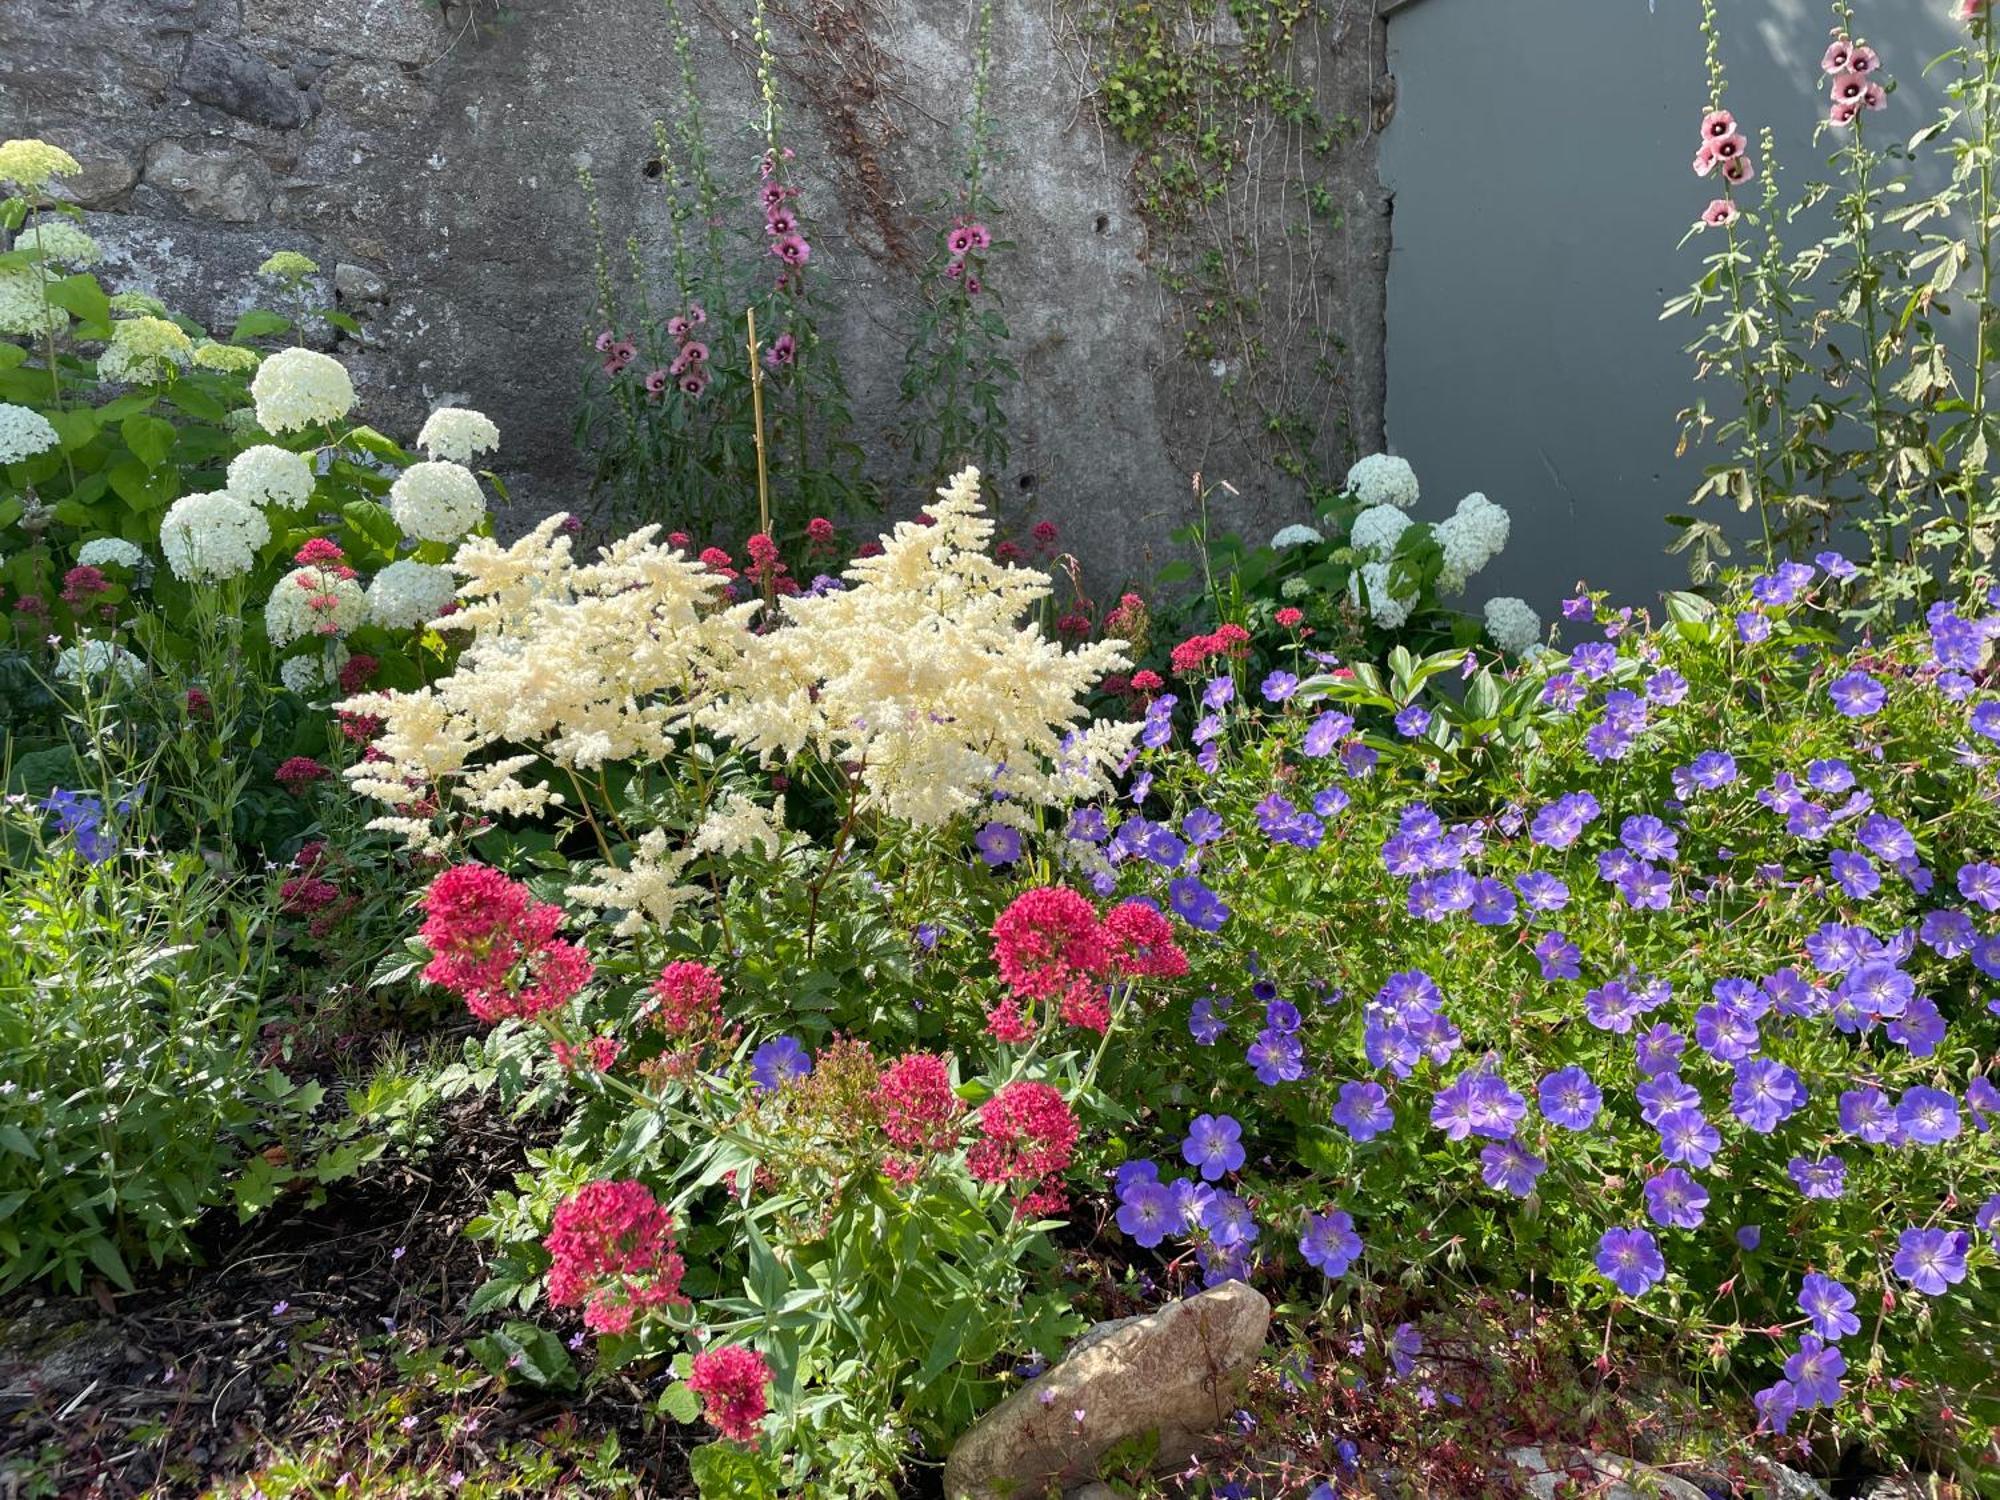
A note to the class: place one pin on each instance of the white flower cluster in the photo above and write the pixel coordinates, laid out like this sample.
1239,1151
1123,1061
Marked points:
313,601
23,308
207,538
589,664
144,351
436,501
309,673
458,434
61,241
406,594
1513,626
30,163
269,475
737,825
111,552
648,890
91,659
24,432
1295,536
926,674
299,388
1471,538
1376,531
1368,587
1383,479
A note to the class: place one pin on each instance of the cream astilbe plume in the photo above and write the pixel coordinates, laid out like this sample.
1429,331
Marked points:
927,673
583,664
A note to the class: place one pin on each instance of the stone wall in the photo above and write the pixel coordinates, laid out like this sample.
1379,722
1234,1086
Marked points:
425,153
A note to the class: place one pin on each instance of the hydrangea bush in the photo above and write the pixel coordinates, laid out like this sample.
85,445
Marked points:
147,470
1368,573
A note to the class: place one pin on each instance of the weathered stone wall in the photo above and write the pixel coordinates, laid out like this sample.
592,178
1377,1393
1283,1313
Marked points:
428,150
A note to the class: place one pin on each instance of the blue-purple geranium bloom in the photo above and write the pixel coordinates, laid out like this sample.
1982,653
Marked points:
779,1061
1214,1146
1630,1260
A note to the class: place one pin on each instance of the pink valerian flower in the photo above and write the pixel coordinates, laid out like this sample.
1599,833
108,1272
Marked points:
1047,939
612,1248
598,1054
303,895
319,551
1028,1134
356,670
732,1382
687,1000
920,1112
1289,618
784,351
298,773
494,945
1143,942
1719,213
83,583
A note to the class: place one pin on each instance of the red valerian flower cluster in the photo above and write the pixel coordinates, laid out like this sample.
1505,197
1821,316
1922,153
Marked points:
1197,650
732,1382
688,1000
494,946
920,1113
1029,1136
1050,943
613,1251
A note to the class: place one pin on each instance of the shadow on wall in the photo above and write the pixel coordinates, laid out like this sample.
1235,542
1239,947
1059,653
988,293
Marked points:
1539,161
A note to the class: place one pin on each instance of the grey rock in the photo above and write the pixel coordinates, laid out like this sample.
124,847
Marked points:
382,94
1773,1481
1901,1487
242,84
1097,1489
1173,1376
410,31
358,284
110,168
1605,1475
211,181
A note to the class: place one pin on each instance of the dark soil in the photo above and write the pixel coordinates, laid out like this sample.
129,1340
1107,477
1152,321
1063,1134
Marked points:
197,1377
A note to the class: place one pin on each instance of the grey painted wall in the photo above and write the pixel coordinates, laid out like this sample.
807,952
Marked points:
1539,162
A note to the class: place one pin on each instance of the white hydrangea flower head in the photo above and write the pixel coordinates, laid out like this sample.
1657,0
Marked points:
24,432
1470,537
315,670
207,538
1383,479
144,351
1512,625
23,308
231,359
299,388
314,600
270,475
29,164
1376,531
1368,587
406,594
1295,588
61,242
111,551
436,501
459,434
92,659
1295,536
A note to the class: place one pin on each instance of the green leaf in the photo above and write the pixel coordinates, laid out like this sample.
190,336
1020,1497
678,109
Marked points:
526,1350
677,1401
151,439
104,1255
76,427
258,323
82,295
724,1471
12,355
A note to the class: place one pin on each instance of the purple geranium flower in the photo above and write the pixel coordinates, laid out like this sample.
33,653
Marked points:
1330,1243
1927,1116
1570,1098
1630,1260
1814,1372
1674,1200
998,844
1823,1177
1510,1167
1146,1212
1214,1145
1857,695
1363,1111
1195,904
1830,1307
778,1061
